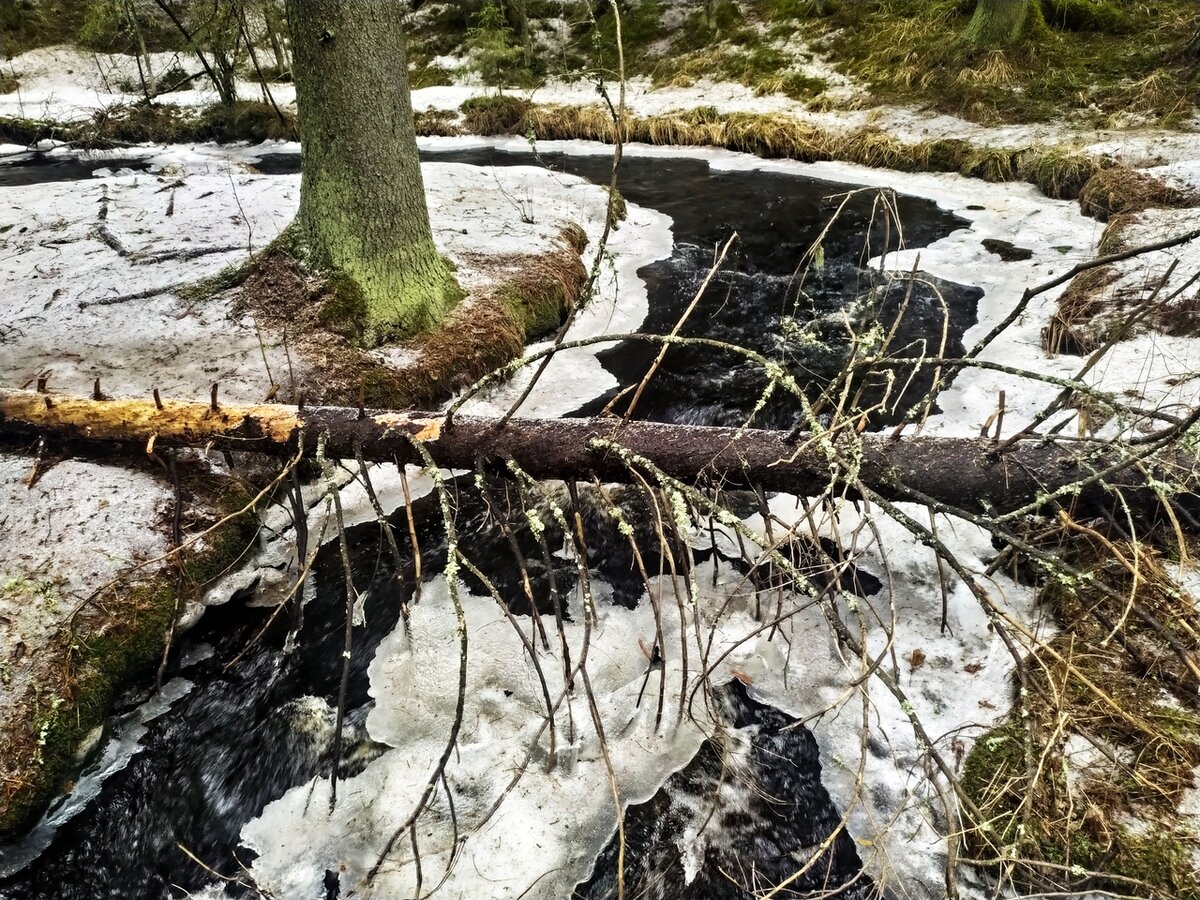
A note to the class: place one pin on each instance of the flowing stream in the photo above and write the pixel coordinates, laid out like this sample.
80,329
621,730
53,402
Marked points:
241,724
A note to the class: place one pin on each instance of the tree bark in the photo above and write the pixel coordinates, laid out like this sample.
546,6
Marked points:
362,200
958,471
1001,23
518,18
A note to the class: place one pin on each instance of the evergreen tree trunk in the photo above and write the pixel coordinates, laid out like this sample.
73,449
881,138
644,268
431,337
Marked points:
362,200
1000,23
145,69
518,18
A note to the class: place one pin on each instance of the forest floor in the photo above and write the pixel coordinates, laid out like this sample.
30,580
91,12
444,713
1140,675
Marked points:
73,255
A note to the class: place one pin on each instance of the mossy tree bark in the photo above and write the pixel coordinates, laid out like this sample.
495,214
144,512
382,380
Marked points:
362,200
1002,23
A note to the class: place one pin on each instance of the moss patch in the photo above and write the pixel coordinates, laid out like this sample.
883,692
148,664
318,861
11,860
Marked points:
532,295
117,637
1086,56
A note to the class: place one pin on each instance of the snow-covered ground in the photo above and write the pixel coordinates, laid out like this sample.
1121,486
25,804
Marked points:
77,259
65,84
963,680
58,267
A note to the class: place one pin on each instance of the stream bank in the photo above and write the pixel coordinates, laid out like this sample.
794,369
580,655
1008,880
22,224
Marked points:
759,205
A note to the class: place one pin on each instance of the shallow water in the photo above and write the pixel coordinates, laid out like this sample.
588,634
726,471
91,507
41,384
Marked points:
249,730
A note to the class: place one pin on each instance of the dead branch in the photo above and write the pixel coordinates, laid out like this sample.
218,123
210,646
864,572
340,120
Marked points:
964,472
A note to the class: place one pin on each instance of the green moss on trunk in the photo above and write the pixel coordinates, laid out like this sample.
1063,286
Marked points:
362,198
1002,23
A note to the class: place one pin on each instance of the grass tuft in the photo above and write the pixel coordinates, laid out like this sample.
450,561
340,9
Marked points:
495,114
1080,785
1124,190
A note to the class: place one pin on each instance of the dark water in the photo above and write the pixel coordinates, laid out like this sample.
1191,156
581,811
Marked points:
756,803
758,292
248,730
758,298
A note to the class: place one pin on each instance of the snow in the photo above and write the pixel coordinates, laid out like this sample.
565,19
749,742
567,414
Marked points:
963,680
70,533
68,250
65,84
545,833
70,317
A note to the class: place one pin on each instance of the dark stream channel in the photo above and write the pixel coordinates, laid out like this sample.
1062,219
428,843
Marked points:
246,733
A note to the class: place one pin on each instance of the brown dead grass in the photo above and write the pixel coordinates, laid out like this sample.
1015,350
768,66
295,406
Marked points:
1114,239
1112,682
1086,295
437,123
1061,173
1124,190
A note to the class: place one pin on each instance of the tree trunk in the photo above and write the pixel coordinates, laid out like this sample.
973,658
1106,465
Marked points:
518,18
1001,23
362,201
957,471
145,67
274,28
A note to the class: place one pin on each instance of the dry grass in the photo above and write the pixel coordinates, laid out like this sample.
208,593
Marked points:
1059,172
437,123
876,148
993,164
1114,240
1071,329
555,123
500,114
1080,787
994,70
1124,190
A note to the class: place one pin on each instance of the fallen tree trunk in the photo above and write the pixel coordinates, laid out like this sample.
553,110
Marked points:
962,472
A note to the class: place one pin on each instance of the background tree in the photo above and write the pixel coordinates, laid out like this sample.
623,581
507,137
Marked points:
362,199
493,46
